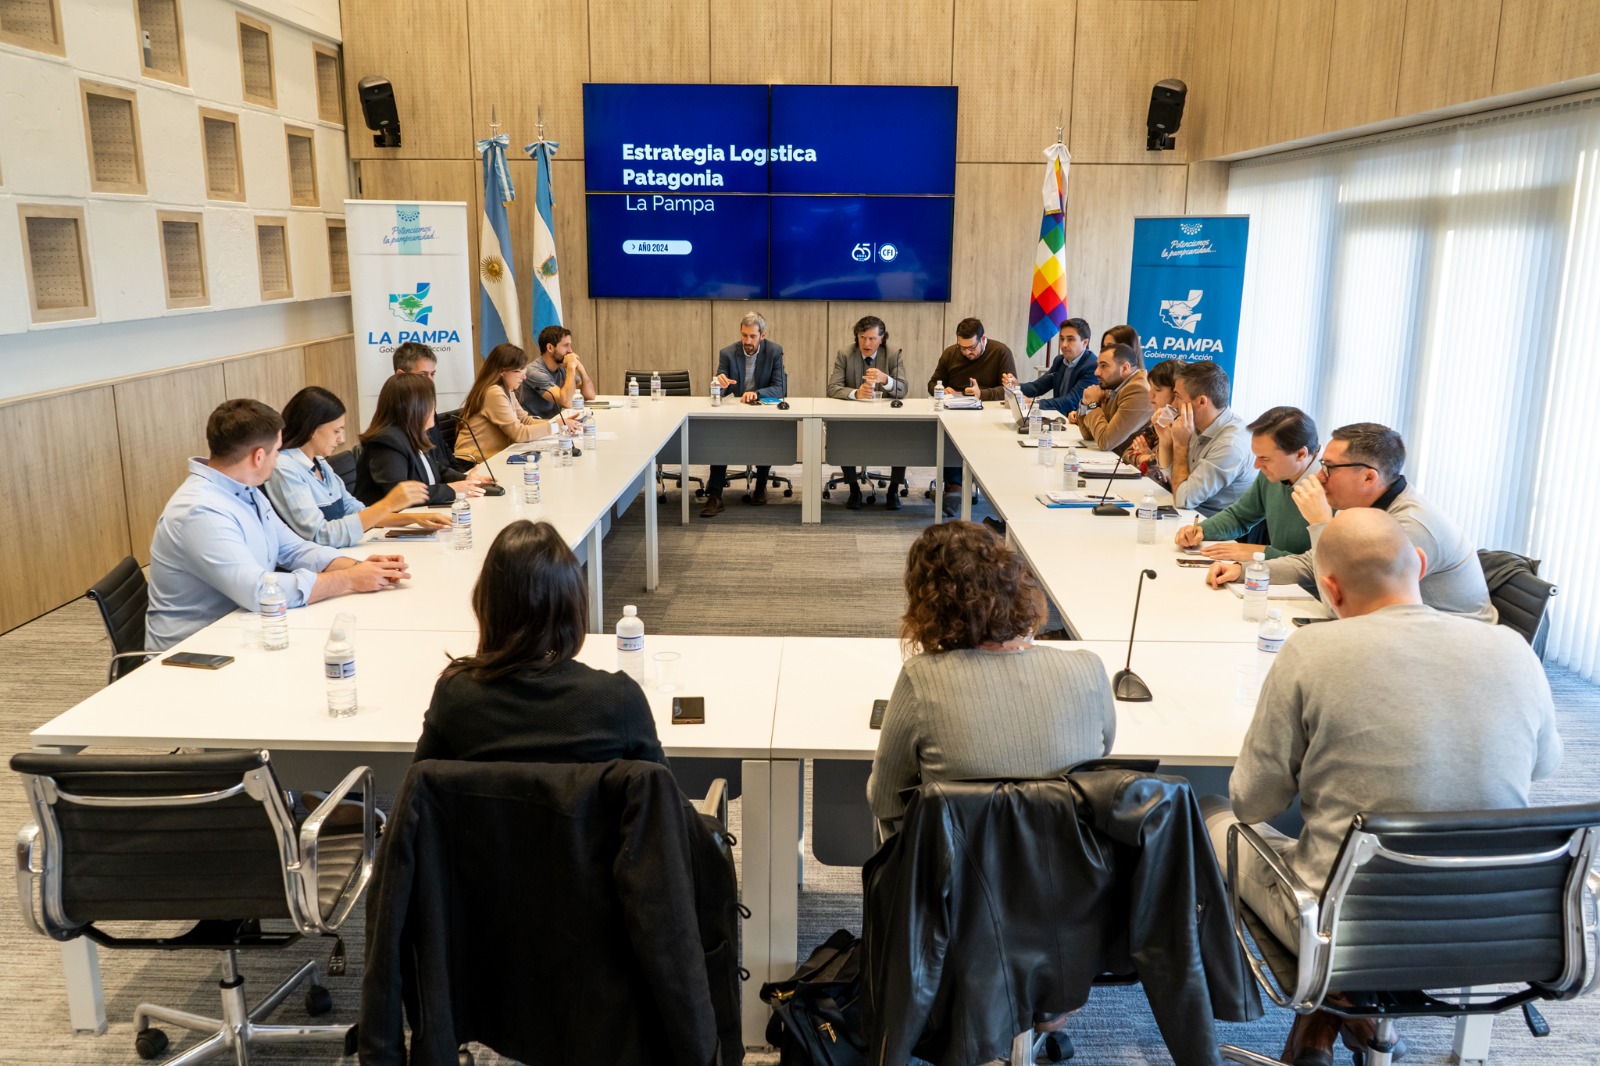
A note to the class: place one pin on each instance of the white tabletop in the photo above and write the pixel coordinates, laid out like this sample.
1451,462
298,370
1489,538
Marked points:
278,699
912,408
1204,697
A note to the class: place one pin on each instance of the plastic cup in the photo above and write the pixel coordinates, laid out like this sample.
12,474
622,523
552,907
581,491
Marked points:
667,663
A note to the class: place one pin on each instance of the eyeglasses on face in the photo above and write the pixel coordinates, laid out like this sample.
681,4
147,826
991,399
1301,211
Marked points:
1331,467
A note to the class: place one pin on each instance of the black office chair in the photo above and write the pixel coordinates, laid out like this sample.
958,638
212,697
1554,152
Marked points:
673,383
344,464
578,912
205,838
123,597
871,481
1519,595
1460,900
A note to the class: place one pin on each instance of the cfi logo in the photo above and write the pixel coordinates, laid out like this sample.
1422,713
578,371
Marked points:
1180,314
412,306
1190,229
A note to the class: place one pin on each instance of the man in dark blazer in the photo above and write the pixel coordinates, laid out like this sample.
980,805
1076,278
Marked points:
751,370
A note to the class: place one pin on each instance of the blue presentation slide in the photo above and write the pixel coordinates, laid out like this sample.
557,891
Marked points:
906,147
675,138
658,245
861,247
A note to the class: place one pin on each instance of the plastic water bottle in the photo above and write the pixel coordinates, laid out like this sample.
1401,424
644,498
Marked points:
591,436
274,615
630,644
339,666
633,392
716,393
1256,581
565,448
577,401
1070,468
655,385
1147,519
938,396
530,479
1047,446
1272,634
1035,421
461,522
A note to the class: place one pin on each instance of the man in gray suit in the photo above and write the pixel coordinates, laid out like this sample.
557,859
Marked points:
752,370
863,371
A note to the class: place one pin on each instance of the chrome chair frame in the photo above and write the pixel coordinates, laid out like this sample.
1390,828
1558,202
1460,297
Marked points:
39,847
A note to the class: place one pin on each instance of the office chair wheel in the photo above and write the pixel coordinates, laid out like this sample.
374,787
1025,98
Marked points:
787,493
318,1000
826,495
150,1043
699,493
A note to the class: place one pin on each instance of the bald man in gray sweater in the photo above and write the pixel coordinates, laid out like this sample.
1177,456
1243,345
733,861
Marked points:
1396,707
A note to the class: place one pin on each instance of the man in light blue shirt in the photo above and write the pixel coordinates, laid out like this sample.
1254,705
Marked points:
218,536
1205,452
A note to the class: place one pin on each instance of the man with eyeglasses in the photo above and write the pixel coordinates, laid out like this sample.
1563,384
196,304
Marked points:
977,366
1361,467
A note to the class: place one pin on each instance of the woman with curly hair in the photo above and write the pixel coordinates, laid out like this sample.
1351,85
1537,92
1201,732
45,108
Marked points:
975,697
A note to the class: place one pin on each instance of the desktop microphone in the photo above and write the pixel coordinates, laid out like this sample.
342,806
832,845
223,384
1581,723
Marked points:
1126,685
494,488
1107,509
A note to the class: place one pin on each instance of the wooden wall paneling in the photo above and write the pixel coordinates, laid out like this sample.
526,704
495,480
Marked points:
1121,50
271,377
1446,57
459,180
653,40
161,423
998,208
332,364
1006,119
509,81
1364,62
1253,47
1105,200
1300,87
900,42
421,46
57,543
1205,112
761,41
1545,41
654,335
800,326
1207,190
917,329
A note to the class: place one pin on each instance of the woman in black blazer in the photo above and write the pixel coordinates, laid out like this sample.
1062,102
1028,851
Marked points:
396,446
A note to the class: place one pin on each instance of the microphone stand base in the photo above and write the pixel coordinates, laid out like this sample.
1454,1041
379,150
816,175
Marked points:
1129,687
494,490
1108,510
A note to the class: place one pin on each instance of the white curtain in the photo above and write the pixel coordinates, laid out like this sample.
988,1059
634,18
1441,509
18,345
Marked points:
1446,282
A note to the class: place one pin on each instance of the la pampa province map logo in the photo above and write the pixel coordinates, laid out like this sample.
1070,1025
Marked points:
1179,314
414,306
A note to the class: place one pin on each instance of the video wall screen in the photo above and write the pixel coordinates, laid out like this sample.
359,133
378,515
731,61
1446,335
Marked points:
804,192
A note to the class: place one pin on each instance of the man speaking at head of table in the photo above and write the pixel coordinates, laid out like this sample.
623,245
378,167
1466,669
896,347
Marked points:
974,365
749,370
219,538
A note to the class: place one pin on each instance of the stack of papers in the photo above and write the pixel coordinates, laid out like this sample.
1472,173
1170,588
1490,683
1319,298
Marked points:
962,403
1079,498
1274,592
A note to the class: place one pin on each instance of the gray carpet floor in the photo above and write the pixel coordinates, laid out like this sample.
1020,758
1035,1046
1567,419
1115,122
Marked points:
717,576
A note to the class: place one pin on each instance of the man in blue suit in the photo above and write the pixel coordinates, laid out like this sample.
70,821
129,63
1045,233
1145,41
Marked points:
1070,373
752,370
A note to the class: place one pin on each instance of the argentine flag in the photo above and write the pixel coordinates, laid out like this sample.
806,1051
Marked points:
546,280
500,317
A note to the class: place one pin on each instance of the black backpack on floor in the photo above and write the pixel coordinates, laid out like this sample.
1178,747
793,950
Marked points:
816,1014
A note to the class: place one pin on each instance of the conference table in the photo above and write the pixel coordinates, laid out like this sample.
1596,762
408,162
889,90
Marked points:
771,703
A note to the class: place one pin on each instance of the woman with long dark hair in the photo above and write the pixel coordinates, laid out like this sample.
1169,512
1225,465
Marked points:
311,499
975,697
522,695
396,448
492,418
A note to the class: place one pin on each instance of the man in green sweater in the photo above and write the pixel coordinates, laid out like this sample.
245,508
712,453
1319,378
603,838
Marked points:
1284,442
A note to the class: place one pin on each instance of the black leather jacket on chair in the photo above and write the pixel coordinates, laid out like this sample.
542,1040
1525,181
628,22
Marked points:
1000,899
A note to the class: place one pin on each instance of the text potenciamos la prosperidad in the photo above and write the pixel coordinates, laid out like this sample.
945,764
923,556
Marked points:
700,155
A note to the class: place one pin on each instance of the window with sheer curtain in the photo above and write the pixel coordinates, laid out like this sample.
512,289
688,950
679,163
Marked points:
1446,282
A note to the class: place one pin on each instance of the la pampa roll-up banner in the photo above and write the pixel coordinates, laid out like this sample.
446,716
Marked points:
1188,281
411,279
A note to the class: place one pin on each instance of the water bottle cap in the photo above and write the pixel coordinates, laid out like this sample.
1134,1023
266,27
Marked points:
630,611
1274,614
1259,557
270,579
